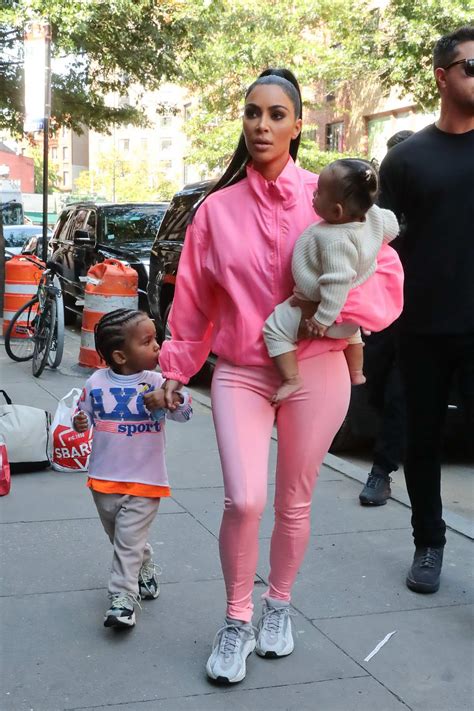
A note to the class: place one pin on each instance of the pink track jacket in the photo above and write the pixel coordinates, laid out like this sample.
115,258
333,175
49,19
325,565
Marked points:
236,267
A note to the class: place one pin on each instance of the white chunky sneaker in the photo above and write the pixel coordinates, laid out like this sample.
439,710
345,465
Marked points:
148,584
232,645
274,636
121,612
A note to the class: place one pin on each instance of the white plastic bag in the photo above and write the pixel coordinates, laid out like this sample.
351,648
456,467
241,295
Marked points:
71,449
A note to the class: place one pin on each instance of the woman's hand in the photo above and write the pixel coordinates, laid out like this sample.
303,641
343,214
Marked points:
308,309
170,389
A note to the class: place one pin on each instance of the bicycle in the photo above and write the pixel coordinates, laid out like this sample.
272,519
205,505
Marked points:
36,331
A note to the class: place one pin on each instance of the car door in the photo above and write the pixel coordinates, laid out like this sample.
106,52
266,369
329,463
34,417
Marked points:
61,245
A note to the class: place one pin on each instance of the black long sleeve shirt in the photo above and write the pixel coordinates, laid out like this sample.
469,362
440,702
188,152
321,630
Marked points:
429,178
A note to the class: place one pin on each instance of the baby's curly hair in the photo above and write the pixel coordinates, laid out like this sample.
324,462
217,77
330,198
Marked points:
359,184
110,333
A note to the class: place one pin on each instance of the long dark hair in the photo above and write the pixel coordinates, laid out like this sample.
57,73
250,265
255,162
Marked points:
235,171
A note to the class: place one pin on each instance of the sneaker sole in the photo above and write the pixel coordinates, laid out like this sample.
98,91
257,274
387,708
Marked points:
113,621
149,596
269,654
424,588
225,680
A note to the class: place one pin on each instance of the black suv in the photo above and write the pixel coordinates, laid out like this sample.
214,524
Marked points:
166,251
87,233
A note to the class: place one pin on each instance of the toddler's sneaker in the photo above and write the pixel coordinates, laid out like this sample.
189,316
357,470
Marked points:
274,636
232,645
121,612
148,585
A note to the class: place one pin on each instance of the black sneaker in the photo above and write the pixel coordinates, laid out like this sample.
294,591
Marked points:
148,585
377,489
424,574
121,612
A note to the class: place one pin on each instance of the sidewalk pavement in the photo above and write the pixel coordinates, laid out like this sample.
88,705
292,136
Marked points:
350,593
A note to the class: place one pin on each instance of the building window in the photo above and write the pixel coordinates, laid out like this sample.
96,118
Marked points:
165,164
54,153
124,145
166,144
65,152
310,134
187,112
335,136
144,144
165,121
65,178
185,172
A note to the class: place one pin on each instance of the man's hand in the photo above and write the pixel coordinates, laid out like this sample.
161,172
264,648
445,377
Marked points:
315,328
80,422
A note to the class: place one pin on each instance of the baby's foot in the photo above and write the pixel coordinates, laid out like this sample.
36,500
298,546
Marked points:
287,388
357,377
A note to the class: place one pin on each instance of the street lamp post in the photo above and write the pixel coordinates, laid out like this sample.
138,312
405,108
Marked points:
37,46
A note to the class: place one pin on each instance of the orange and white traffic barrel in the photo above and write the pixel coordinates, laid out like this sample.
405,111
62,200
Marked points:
110,285
22,277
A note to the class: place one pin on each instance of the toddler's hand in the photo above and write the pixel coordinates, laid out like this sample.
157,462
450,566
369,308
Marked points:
315,328
80,422
154,400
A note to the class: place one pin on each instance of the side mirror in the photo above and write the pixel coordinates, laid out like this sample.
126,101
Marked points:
82,237
31,246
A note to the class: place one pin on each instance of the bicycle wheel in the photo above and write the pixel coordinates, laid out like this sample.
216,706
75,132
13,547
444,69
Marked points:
19,338
57,344
44,333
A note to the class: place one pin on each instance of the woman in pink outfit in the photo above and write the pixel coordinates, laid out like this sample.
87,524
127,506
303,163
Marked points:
234,269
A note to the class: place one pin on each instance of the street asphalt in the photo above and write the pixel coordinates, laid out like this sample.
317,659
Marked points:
350,593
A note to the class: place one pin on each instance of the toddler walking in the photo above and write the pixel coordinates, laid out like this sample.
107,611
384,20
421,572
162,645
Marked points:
330,258
127,471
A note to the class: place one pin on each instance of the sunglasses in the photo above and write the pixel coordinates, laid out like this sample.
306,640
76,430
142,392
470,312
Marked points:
468,66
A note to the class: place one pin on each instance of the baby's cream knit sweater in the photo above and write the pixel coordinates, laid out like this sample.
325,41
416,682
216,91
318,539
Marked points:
329,260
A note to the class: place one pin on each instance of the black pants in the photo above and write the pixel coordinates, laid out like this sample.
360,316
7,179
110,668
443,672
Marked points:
429,363
384,386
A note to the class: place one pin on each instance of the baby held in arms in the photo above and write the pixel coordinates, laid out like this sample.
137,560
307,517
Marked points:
330,258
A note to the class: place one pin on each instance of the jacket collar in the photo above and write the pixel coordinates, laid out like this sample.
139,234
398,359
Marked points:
286,188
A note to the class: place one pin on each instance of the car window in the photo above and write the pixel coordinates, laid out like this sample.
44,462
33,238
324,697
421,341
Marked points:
17,236
174,225
91,224
59,230
131,225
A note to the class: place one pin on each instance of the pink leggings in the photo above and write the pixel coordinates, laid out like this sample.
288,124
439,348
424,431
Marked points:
306,424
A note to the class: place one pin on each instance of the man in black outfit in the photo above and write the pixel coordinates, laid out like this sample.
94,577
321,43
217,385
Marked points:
430,180
385,394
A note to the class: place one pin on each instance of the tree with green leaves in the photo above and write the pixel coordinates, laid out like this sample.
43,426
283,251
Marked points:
98,47
122,180
333,44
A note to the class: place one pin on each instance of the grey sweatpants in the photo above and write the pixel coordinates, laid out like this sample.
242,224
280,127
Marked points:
126,521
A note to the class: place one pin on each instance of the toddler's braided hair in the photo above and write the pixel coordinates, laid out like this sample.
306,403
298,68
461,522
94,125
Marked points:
111,331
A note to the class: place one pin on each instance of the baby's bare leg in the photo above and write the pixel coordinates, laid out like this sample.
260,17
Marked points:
287,366
354,354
